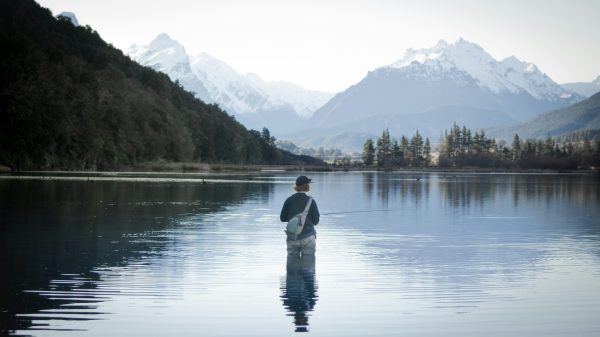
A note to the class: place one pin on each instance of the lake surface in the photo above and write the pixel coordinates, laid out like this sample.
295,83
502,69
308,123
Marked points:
398,254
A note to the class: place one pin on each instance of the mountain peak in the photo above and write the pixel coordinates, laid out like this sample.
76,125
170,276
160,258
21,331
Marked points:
512,62
163,54
445,55
442,44
164,41
71,16
509,75
462,43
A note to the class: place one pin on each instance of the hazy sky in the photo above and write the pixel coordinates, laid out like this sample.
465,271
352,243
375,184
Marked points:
330,45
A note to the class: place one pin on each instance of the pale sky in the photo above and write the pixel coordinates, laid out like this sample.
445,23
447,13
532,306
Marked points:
330,45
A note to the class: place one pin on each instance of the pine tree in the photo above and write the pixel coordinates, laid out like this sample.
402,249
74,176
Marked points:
516,148
549,147
384,149
266,137
368,155
457,138
477,143
404,148
397,155
587,147
427,152
467,140
416,149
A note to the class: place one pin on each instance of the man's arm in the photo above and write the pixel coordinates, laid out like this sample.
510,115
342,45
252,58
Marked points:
313,213
284,212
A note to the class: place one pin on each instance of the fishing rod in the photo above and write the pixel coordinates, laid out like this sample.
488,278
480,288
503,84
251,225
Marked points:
365,211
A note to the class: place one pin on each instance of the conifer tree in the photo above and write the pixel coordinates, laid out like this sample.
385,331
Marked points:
384,149
397,154
516,148
587,147
416,149
368,155
427,153
404,148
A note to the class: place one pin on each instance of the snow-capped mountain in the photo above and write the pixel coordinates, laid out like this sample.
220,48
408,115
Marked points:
586,89
280,106
455,75
428,89
168,56
509,75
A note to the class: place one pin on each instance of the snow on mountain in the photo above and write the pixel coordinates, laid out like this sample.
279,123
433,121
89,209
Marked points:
429,88
170,57
277,105
163,54
304,101
509,75
227,87
251,94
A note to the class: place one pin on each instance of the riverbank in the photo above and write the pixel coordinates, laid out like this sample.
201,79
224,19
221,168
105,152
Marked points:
206,168
237,171
170,167
593,170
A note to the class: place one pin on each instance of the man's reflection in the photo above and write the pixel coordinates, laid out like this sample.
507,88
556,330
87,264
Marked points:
299,293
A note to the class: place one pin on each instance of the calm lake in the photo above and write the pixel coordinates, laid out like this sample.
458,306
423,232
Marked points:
398,254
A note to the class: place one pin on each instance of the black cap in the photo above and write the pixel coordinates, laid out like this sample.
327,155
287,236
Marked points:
302,180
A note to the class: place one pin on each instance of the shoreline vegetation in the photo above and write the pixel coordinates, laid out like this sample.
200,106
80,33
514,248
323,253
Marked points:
174,168
462,148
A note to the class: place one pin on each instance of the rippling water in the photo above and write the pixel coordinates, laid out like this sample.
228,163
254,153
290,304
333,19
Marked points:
398,254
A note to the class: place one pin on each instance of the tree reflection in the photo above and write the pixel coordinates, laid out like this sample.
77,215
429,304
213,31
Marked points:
462,191
63,229
395,186
299,293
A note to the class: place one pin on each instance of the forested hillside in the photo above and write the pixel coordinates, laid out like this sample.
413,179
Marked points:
69,100
576,119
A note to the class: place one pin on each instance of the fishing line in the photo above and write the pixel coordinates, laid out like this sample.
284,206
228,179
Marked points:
365,211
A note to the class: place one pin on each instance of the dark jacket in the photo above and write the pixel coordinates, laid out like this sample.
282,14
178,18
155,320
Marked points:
294,205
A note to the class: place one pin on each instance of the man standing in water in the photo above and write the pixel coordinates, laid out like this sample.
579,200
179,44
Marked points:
305,243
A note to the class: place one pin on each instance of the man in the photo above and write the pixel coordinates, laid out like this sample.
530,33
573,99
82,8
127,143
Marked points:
305,242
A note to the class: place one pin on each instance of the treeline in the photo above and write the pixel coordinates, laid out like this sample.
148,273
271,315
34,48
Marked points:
69,100
387,152
461,147
550,154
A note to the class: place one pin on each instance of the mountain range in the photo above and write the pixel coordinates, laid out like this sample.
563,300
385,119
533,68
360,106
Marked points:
582,116
280,106
586,89
427,90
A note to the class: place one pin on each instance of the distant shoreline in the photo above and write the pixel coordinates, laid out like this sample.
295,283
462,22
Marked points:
191,169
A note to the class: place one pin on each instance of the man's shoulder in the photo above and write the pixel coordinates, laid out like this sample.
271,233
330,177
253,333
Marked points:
298,196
